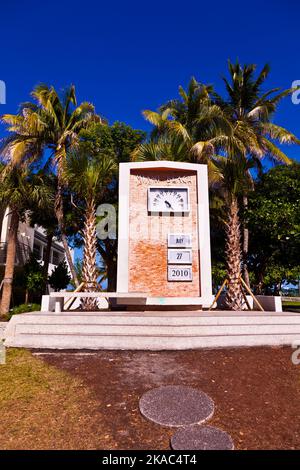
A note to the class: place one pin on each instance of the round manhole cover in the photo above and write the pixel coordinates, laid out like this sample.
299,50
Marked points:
201,438
176,405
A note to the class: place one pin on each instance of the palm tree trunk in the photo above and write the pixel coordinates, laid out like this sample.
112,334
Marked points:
89,266
59,213
47,261
108,252
10,263
2,213
261,276
111,267
245,246
234,296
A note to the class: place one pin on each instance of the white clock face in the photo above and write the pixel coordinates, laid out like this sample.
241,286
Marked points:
169,199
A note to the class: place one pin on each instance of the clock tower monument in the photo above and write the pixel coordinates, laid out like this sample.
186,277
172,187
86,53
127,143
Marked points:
163,236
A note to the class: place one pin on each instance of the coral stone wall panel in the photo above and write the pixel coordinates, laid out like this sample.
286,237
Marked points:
148,248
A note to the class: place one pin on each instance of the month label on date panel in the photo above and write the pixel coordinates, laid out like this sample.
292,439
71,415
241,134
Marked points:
179,240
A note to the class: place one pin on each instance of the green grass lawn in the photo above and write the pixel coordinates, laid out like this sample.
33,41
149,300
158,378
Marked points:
42,407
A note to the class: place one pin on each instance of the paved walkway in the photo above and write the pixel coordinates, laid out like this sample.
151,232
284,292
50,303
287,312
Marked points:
2,328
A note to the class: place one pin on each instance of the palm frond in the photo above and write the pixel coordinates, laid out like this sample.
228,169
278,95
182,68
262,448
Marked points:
279,133
41,94
203,151
152,117
262,76
274,153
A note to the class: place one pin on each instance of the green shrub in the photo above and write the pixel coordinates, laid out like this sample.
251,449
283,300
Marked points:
23,308
60,278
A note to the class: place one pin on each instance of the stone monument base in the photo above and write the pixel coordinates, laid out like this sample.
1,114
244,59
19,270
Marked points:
163,303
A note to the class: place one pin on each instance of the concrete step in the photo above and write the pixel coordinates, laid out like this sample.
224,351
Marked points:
2,329
158,318
147,342
154,330
151,330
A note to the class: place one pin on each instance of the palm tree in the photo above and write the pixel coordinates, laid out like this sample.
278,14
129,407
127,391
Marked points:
192,128
196,110
19,189
230,185
201,125
54,121
88,178
250,110
102,275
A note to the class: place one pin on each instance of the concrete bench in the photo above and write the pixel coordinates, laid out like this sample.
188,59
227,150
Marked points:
56,300
270,303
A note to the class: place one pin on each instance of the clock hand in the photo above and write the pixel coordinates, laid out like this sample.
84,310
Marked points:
168,205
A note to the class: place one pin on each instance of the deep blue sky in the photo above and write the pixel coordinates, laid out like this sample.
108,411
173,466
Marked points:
128,56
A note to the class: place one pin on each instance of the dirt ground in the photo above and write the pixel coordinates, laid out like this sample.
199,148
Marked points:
256,393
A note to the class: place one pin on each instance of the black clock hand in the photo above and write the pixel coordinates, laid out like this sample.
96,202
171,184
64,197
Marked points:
168,205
